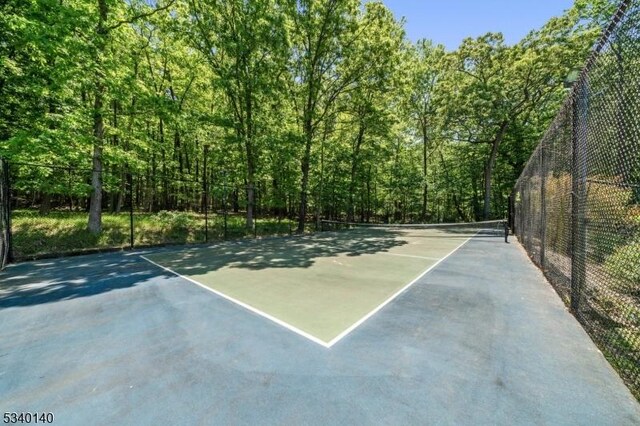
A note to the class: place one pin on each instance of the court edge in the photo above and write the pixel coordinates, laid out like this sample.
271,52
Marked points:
393,296
244,305
297,330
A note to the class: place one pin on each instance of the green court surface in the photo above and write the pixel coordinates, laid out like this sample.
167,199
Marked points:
321,286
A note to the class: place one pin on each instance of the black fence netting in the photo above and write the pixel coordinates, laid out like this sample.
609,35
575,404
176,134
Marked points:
50,210
577,202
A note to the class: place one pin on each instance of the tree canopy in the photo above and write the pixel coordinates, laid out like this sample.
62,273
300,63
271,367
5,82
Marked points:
324,108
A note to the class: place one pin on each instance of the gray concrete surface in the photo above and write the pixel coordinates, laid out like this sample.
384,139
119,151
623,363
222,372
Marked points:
482,339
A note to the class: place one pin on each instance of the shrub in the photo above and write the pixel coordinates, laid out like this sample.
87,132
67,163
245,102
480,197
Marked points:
624,265
174,220
608,216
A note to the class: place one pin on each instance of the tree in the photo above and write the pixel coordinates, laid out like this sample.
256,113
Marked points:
243,43
428,70
496,85
320,33
101,40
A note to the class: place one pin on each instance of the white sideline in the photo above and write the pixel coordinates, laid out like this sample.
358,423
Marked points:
409,255
244,305
396,294
304,333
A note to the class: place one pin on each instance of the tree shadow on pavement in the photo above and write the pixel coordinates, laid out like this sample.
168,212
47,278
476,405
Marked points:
296,252
47,281
52,280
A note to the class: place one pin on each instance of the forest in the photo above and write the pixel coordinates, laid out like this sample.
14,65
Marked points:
300,109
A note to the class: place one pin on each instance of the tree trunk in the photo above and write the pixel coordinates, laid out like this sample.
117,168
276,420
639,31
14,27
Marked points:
121,192
235,202
321,186
250,188
251,198
488,170
425,188
45,204
306,160
95,205
354,169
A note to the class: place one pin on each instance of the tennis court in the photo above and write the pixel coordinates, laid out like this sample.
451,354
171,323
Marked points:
320,286
481,338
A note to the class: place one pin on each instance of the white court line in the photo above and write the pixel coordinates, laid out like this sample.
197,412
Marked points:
244,305
396,294
297,330
410,255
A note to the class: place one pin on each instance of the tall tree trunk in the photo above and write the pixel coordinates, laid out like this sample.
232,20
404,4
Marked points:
45,204
235,202
251,179
488,170
245,130
121,191
95,205
306,161
321,186
425,187
251,198
165,177
354,169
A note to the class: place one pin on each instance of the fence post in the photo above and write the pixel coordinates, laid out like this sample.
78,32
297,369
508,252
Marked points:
578,190
543,204
511,213
206,195
130,179
255,210
224,203
6,254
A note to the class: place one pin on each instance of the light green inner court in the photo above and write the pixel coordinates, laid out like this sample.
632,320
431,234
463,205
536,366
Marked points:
320,284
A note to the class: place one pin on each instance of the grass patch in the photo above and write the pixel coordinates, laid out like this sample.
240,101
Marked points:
66,232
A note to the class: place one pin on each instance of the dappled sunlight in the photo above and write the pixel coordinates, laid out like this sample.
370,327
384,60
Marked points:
33,283
297,252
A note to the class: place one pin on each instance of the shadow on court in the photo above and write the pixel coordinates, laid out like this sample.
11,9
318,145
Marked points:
298,252
53,280
481,339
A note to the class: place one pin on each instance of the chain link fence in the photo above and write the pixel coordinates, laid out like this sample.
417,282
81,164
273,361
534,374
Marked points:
46,212
577,202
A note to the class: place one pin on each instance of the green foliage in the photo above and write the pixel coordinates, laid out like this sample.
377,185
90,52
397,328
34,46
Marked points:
623,265
65,232
558,222
177,220
320,108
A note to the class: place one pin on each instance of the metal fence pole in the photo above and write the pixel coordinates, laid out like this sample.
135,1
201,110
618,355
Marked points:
131,232
6,254
206,195
10,252
579,186
543,204
224,203
511,213
255,212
